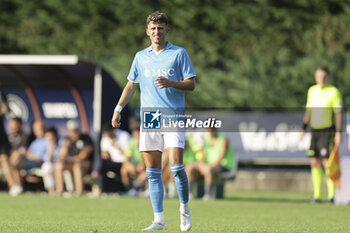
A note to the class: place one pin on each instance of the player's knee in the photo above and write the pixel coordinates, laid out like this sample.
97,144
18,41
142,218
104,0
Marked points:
316,163
153,175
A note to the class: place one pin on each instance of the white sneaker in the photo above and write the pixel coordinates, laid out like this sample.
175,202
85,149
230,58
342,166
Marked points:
186,222
156,226
15,190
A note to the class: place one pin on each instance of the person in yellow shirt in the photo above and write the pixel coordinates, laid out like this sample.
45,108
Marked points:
217,157
324,114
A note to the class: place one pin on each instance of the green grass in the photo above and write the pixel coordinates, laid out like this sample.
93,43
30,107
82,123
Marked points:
241,211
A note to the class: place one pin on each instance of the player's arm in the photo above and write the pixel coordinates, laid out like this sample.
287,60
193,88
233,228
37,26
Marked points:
187,85
338,128
338,117
306,121
127,93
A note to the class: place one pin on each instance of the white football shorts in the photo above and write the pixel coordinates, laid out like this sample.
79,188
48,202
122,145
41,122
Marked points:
158,141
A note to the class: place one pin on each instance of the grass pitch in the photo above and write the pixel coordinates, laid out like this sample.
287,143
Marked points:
241,211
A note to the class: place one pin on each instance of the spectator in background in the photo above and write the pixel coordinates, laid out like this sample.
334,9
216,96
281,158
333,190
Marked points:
193,153
324,113
75,156
18,141
113,143
47,168
5,147
217,158
133,170
37,150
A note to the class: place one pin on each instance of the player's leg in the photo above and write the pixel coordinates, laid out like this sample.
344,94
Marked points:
330,183
178,170
317,178
316,168
151,147
154,174
175,143
326,142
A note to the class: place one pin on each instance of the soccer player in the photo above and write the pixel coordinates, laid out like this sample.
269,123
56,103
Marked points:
164,72
323,112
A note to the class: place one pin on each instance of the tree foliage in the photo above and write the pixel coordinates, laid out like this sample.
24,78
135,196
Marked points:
247,54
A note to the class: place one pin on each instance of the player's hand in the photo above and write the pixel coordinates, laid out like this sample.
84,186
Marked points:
162,82
116,119
337,138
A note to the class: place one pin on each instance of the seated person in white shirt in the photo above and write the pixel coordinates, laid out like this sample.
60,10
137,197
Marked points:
114,143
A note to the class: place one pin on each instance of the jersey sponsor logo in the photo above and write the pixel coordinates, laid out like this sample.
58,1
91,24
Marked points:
159,72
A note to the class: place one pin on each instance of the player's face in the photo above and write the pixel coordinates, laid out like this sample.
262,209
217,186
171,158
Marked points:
157,32
322,78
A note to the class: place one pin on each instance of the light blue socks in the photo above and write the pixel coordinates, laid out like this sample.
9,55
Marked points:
156,190
181,182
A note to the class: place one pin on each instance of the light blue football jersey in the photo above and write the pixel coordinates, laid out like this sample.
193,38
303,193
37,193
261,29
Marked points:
172,63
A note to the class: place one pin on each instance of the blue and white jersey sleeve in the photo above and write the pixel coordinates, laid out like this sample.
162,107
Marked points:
134,73
187,69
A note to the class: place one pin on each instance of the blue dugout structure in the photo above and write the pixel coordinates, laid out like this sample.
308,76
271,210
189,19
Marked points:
57,88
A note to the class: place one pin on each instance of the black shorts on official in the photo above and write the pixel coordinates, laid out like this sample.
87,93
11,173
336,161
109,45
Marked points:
321,142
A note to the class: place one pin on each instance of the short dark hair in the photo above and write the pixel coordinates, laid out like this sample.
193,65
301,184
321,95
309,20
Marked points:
52,130
325,69
18,119
157,17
